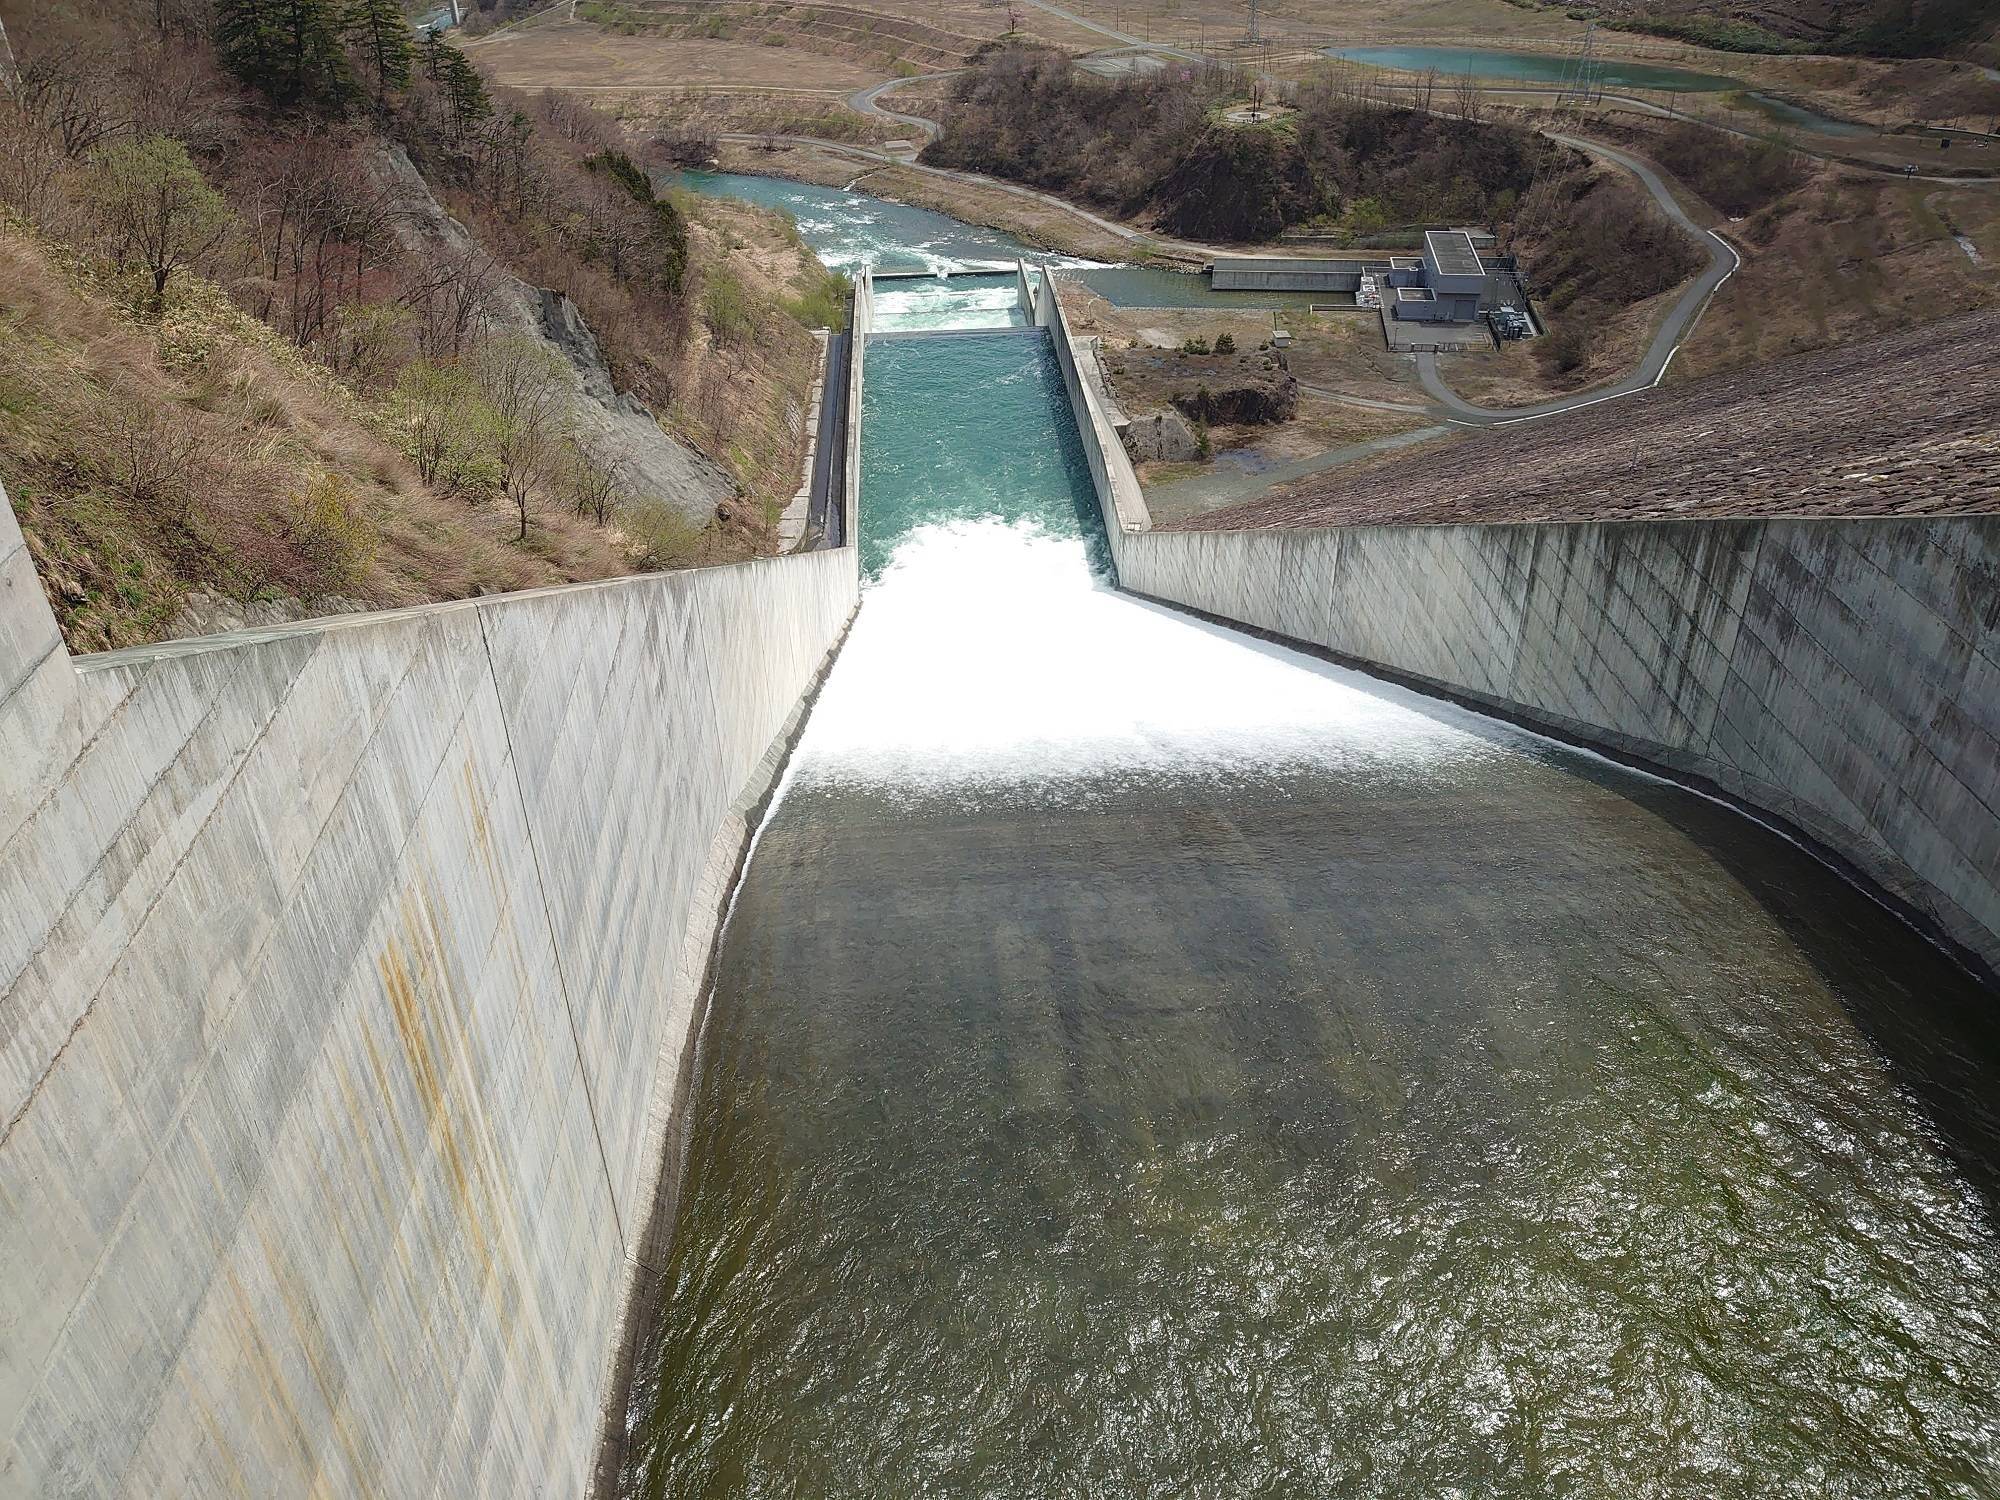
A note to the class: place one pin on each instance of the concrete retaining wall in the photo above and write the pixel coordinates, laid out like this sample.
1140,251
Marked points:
1840,675
857,351
348,971
1111,471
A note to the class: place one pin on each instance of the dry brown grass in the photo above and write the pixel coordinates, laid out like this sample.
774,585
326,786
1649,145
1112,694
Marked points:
573,55
148,461
1847,257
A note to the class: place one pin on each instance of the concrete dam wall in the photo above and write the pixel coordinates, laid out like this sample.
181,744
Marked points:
348,970
1842,675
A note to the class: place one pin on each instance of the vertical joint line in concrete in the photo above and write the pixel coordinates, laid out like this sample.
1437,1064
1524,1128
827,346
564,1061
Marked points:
555,945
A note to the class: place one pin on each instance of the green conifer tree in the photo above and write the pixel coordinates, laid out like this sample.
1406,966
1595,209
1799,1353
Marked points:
382,34
464,90
290,49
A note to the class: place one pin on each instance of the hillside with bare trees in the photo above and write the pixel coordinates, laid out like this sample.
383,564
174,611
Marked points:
293,329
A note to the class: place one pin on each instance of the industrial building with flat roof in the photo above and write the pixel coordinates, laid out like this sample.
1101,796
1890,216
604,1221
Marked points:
1446,284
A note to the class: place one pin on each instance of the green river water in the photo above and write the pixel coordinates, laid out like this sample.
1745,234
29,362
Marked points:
1144,1061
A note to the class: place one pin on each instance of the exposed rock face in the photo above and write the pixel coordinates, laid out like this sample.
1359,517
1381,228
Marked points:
1251,389
1161,437
1243,398
205,612
615,425
1245,390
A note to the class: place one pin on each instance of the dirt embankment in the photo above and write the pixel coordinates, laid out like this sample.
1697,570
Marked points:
1248,389
1903,425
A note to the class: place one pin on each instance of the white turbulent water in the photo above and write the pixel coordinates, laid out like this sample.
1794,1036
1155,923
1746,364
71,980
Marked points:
937,306
990,653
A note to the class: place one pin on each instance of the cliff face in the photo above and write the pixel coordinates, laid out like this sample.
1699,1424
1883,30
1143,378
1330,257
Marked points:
613,423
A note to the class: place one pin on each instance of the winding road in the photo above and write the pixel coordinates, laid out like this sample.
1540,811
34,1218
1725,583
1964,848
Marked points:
868,101
1723,262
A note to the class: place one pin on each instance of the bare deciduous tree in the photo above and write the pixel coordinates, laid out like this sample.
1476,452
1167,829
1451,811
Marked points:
451,296
31,166
596,487
1468,103
321,222
528,395
68,93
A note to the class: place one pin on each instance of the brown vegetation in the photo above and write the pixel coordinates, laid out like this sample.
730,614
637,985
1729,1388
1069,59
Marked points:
1845,256
149,459
1592,243
1836,432
1158,146
241,361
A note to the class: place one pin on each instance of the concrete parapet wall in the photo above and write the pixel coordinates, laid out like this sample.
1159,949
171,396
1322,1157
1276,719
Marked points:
1841,675
1024,292
348,973
857,350
1111,471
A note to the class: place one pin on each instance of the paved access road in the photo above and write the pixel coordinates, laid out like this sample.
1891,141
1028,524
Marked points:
868,101
1723,262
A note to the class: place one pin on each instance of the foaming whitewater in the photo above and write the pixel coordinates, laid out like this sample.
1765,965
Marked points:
939,304
992,653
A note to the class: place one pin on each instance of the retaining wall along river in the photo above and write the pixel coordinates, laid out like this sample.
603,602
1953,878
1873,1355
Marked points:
348,974
1841,675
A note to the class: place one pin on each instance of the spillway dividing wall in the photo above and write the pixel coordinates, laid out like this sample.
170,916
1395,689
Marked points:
348,972
1842,676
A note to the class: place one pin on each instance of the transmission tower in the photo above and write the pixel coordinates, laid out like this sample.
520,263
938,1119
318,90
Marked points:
1253,36
1579,81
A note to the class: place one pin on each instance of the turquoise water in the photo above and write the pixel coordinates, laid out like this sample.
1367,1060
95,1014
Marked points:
1533,67
1027,468
1555,68
847,230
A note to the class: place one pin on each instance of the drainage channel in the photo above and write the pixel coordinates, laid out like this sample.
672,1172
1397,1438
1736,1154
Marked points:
1148,1061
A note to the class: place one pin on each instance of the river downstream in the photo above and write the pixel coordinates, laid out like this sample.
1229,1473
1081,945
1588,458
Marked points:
1144,1061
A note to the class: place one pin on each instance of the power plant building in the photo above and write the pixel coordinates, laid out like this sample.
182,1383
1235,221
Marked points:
1444,286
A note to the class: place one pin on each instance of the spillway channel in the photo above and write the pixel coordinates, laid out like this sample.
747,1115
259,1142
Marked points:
1147,1061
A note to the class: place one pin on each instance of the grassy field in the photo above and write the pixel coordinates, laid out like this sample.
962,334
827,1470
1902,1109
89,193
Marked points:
578,54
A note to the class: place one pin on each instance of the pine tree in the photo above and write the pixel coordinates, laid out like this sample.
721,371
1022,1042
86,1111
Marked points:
290,49
379,29
434,51
464,89
246,39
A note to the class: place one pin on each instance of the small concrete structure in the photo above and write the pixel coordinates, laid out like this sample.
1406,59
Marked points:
1296,273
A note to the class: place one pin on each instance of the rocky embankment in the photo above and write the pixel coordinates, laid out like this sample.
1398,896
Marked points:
1172,392
611,422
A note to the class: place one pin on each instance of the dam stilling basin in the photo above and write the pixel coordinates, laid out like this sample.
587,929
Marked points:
1145,1060
1015,1002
